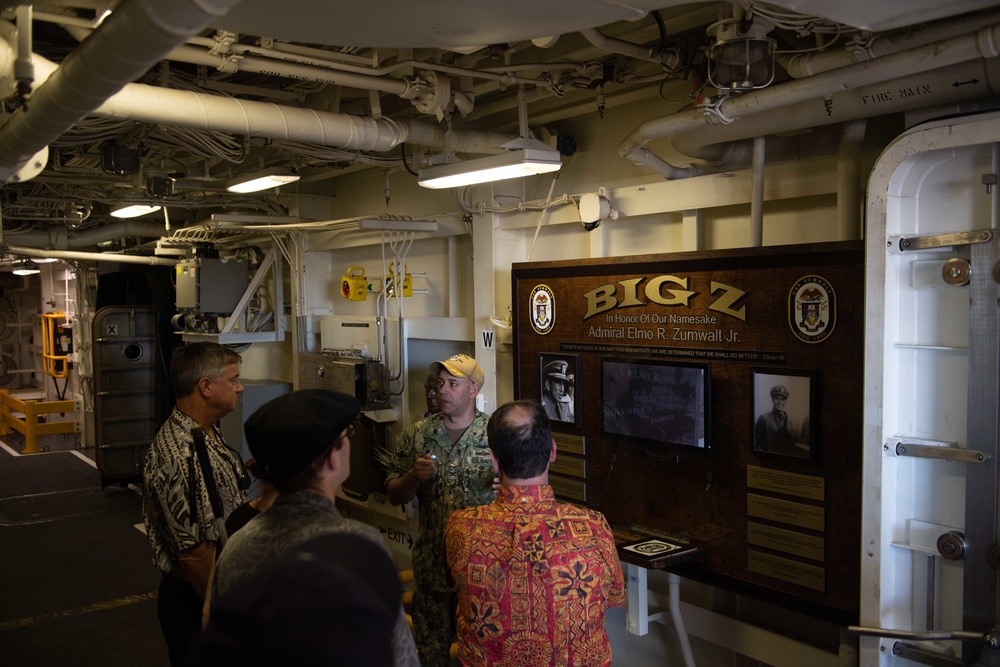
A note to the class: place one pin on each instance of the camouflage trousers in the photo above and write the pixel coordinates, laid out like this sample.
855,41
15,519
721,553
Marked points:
433,615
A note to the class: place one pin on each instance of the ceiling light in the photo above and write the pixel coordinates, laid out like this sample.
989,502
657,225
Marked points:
512,164
126,210
26,268
261,180
742,59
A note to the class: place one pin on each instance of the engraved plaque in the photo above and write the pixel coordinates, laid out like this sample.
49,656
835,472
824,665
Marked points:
785,511
808,576
788,541
571,444
567,465
568,488
789,483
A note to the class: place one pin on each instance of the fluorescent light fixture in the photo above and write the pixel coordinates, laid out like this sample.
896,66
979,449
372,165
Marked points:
26,268
261,180
513,164
132,210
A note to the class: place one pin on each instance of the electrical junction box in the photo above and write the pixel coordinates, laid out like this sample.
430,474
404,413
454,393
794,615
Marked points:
207,285
365,379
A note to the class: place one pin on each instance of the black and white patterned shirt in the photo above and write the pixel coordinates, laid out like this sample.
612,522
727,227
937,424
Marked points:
172,478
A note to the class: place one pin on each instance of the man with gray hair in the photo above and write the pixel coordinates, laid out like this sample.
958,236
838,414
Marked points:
176,506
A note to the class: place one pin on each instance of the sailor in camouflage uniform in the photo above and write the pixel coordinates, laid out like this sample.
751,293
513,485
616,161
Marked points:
443,461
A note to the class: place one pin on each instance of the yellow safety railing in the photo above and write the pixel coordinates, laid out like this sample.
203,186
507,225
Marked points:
49,358
29,425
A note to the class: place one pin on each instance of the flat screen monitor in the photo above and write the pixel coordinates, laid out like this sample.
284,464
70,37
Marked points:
657,402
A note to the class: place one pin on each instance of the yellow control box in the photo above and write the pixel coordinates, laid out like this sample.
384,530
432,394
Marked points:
404,283
354,285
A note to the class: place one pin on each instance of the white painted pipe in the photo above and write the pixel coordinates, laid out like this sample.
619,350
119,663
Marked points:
135,37
809,64
227,62
757,194
216,113
849,186
982,44
59,238
91,256
716,145
669,60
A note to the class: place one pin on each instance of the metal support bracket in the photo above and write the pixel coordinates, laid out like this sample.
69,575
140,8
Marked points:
900,244
942,453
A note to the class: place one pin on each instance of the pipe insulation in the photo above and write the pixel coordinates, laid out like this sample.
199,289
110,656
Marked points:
59,238
216,113
718,145
808,64
91,256
137,35
228,62
984,43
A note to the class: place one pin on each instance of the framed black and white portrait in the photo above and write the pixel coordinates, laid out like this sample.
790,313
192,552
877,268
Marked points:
784,414
560,387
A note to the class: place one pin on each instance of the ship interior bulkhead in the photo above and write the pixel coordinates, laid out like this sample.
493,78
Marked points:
133,218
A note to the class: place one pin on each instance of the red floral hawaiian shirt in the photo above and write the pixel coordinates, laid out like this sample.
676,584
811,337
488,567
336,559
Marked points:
534,578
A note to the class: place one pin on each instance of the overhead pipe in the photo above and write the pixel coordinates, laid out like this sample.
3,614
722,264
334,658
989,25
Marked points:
859,49
217,113
137,35
668,59
229,62
249,58
59,238
849,180
721,147
985,43
90,256
757,195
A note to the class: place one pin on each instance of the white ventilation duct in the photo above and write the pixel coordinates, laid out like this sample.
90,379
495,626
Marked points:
135,37
59,238
90,256
216,113
984,43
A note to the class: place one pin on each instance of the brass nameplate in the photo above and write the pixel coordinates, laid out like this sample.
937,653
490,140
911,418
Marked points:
808,576
571,444
566,465
785,511
568,488
789,483
788,541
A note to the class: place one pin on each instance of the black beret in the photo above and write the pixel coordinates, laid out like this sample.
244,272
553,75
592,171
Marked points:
288,433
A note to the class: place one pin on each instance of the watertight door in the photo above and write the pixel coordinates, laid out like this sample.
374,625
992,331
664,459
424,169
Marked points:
932,396
125,389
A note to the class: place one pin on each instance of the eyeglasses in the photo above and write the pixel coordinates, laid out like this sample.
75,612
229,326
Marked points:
349,431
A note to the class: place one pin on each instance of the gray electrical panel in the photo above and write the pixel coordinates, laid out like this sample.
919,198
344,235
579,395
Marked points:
207,285
365,379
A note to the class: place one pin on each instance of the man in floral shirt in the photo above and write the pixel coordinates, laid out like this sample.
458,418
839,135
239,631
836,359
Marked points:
533,576
444,462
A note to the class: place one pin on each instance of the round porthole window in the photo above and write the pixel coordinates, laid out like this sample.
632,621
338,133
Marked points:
132,352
